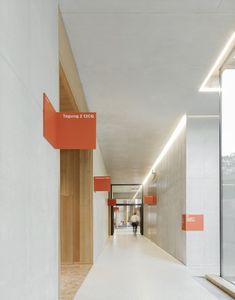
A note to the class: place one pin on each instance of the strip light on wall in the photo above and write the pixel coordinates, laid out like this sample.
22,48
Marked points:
173,137
214,72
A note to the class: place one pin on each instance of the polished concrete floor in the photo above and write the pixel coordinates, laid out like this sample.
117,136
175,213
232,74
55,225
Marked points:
133,268
71,278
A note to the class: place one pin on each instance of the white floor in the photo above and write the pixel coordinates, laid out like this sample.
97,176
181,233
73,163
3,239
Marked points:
133,268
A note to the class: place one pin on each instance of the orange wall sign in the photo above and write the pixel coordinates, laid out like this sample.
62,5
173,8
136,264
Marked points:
193,222
112,202
102,183
68,130
150,200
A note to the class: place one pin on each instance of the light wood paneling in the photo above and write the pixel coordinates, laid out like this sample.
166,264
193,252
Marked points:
67,101
76,209
86,206
76,168
70,208
66,229
76,206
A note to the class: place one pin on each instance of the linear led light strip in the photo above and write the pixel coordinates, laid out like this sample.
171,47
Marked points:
217,65
166,148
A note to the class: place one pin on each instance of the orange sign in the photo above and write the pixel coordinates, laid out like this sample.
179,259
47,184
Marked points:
68,130
150,200
193,222
102,183
112,202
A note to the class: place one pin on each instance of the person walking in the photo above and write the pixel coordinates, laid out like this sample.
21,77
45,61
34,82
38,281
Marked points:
134,222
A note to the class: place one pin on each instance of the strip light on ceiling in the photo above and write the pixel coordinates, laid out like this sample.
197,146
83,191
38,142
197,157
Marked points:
217,65
139,189
173,137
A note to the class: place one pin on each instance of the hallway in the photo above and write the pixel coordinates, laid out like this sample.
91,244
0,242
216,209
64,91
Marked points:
133,268
115,114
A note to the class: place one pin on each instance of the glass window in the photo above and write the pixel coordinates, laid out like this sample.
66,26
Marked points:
228,172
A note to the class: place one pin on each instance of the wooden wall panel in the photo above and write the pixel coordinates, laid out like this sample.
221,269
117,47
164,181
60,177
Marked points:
86,206
66,205
70,195
76,208
67,101
76,169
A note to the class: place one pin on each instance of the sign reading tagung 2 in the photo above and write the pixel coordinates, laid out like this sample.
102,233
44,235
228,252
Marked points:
68,130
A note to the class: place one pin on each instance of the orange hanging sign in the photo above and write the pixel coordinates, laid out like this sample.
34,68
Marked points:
192,222
150,200
68,130
112,202
102,183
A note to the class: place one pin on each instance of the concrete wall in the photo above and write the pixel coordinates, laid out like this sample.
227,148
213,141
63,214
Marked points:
100,208
29,173
163,221
187,182
203,193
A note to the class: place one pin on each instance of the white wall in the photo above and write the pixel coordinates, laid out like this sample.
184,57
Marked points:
203,247
188,183
100,208
29,172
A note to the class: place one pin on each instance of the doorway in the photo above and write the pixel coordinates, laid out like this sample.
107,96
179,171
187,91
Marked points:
129,200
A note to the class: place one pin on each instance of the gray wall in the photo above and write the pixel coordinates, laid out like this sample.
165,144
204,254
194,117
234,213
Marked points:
29,173
202,193
188,182
163,221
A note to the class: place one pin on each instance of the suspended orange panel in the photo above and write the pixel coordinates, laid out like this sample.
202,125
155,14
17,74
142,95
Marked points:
112,202
102,183
192,222
150,200
68,130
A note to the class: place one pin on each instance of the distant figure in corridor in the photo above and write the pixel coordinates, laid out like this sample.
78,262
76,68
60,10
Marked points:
135,221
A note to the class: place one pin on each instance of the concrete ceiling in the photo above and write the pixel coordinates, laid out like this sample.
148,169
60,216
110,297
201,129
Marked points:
141,63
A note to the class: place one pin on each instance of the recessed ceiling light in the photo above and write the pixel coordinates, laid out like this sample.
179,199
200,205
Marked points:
211,82
173,137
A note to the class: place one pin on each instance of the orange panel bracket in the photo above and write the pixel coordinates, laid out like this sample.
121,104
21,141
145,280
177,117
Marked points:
68,130
102,183
192,222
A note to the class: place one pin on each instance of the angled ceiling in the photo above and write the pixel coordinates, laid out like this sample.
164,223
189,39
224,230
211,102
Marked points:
141,63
